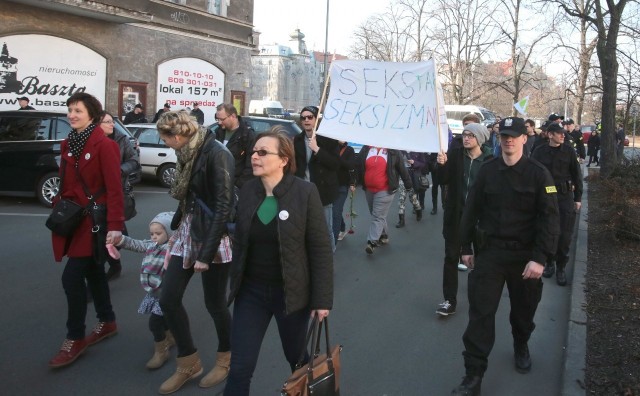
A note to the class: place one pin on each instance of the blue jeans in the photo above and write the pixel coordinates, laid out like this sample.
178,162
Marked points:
338,207
328,216
253,308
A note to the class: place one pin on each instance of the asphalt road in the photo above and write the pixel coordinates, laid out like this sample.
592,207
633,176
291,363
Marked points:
384,315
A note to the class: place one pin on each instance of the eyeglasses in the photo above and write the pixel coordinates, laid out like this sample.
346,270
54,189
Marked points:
222,119
262,153
468,136
108,122
307,117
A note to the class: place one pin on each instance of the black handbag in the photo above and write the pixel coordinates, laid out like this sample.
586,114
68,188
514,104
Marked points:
129,206
67,215
321,376
424,182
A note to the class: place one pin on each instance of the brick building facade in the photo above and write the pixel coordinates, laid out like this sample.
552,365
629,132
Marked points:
210,54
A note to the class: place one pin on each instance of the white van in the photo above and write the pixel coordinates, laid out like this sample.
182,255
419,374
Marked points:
455,113
266,108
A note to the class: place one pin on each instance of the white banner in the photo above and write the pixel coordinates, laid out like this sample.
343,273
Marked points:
48,70
183,81
386,104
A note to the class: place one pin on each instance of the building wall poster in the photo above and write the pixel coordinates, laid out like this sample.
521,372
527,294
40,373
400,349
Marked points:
48,70
131,94
182,81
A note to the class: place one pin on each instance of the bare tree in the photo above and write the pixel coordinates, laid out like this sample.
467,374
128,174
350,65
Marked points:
522,73
460,33
607,18
384,37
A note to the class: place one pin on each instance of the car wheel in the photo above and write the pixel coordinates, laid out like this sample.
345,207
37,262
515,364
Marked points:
48,187
166,174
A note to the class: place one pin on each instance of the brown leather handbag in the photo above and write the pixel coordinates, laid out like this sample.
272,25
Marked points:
321,376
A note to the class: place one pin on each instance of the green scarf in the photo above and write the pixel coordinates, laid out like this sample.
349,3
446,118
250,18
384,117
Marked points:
186,156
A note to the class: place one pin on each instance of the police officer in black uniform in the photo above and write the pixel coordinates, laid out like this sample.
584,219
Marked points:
563,164
576,136
511,215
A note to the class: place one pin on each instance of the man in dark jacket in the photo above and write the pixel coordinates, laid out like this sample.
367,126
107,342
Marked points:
576,135
164,109
457,169
136,116
561,161
318,161
197,113
239,139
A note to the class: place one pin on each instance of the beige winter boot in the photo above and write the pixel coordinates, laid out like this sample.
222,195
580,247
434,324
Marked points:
160,355
188,367
219,372
169,338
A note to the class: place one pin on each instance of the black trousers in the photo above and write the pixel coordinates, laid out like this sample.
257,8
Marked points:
214,285
77,271
450,268
434,191
566,205
494,268
158,327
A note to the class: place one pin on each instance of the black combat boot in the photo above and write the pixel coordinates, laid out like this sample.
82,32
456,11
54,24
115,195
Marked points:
470,386
400,221
522,357
561,276
549,269
419,214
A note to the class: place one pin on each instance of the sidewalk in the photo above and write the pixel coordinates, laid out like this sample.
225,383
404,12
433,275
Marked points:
575,355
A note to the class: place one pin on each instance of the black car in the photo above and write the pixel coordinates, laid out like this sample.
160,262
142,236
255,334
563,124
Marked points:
30,152
263,124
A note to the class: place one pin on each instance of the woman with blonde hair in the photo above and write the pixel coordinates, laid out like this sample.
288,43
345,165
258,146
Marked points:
204,188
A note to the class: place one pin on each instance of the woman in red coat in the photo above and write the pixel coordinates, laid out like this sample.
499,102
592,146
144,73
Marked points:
89,165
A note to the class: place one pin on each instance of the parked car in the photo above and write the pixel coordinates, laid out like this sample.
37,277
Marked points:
263,124
156,158
30,152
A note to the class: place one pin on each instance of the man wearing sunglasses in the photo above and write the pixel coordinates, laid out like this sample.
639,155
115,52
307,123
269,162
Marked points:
318,161
239,138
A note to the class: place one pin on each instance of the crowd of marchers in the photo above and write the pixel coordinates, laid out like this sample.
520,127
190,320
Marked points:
263,217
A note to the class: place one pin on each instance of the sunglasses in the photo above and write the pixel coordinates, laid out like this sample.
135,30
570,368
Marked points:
262,153
307,117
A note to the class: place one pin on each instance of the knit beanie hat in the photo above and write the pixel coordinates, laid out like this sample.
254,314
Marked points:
164,219
480,131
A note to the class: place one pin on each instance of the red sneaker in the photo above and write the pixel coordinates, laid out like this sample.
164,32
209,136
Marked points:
101,331
69,352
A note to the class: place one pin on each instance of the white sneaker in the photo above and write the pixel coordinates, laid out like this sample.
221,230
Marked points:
462,267
341,235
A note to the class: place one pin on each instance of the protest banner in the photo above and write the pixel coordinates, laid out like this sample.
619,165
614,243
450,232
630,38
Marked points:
386,104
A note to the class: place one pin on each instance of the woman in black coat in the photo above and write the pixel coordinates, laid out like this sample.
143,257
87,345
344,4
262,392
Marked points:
282,259
593,146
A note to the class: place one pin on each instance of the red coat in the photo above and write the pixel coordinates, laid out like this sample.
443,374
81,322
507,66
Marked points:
99,166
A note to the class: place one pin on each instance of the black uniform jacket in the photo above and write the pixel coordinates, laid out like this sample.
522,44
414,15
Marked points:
210,197
395,169
323,165
241,145
563,164
515,206
305,248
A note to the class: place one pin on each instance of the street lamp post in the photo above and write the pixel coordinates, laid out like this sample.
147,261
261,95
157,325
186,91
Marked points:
326,43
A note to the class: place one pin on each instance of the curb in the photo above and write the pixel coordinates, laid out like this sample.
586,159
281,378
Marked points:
572,383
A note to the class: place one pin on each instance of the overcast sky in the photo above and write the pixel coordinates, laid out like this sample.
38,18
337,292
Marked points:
277,19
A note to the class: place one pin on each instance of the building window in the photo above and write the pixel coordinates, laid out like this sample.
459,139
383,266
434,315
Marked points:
218,7
183,2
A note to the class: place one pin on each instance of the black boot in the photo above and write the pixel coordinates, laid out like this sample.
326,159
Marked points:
549,269
470,386
434,210
561,277
522,357
400,221
419,214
